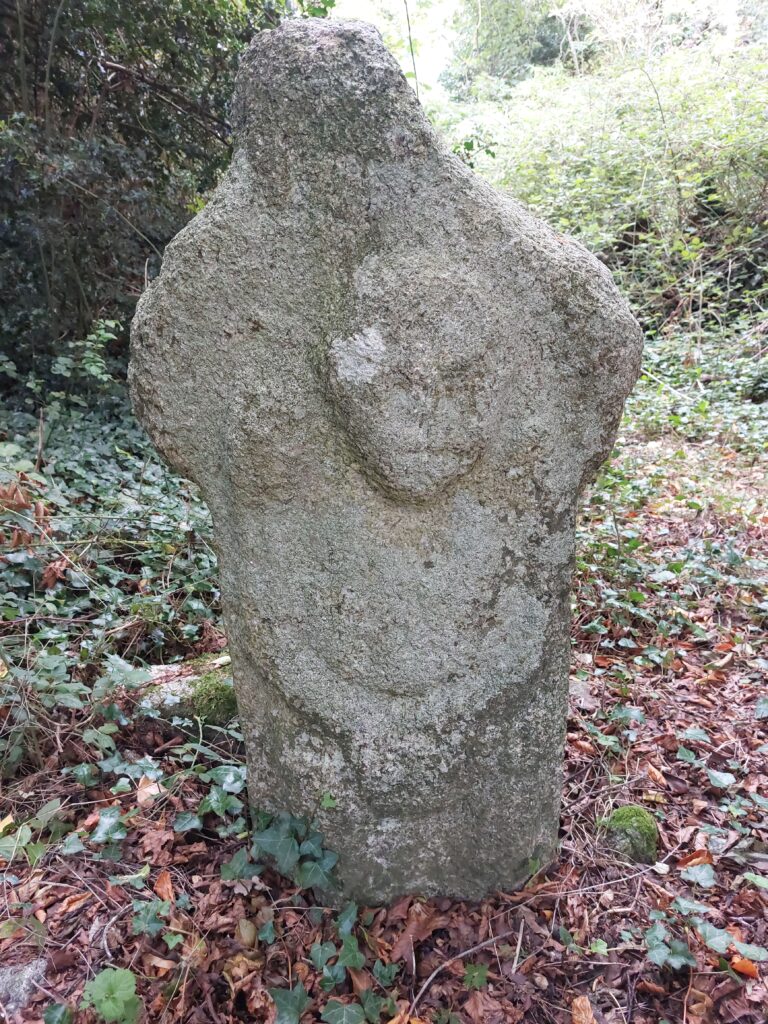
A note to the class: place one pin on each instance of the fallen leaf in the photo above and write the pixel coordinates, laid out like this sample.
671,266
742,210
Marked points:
652,987
74,902
361,980
161,964
53,572
147,790
164,886
696,857
581,1011
482,1008
246,933
743,966
422,921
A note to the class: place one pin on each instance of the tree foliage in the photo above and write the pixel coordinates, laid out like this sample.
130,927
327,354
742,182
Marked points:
503,39
112,123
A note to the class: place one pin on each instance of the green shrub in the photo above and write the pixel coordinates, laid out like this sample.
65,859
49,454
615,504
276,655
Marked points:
658,166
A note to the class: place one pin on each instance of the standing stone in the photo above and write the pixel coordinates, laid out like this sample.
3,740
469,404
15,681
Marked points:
391,383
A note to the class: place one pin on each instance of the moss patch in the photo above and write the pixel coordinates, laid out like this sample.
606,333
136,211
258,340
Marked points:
213,698
634,833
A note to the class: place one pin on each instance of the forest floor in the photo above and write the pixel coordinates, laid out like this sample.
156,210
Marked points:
128,874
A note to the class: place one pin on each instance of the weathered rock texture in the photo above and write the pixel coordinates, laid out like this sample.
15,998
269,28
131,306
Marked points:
391,383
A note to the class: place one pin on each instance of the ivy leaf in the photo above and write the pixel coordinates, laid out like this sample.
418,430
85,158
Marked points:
684,754
110,827
278,843
312,845
85,775
147,916
239,867
716,938
680,955
756,953
350,955
290,1003
321,953
58,1013
700,874
656,945
685,906
72,844
695,735
267,933
759,880
231,777
138,880
336,1012
373,1005
186,821
658,954
345,922
385,974
220,803
310,874
720,780
333,975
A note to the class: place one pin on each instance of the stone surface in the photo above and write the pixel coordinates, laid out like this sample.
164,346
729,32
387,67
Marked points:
391,383
19,984
633,833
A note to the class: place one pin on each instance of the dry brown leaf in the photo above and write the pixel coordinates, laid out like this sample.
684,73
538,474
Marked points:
654,798
743,966
161,964
695,858
646,985
482,1008
74,902
361,980
53,572
147,790
240,966
584,746
164,886
301,972
581,1011
246,933
403,1018
422,921
13,498
154,843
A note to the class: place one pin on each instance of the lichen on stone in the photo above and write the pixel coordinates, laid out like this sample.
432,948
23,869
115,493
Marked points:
633,833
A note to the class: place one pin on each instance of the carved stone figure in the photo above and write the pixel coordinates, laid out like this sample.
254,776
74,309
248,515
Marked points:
391,383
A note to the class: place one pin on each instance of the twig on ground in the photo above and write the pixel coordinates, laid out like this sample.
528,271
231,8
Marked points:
519,944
